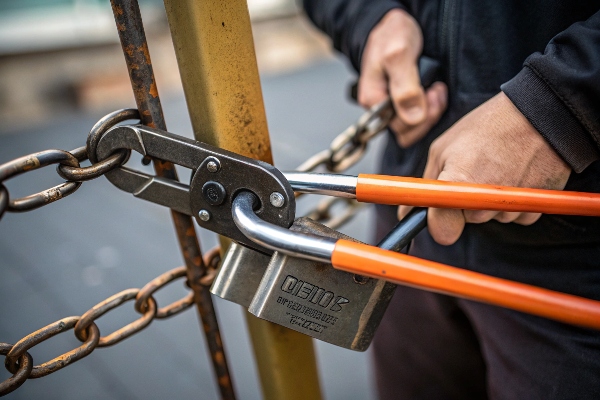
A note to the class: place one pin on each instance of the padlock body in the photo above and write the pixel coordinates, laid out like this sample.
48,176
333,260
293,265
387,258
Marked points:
315,299
239,275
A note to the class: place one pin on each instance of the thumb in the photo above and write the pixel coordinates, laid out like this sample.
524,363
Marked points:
437,101
408,96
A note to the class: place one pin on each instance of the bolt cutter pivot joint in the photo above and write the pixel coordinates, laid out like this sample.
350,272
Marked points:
217,178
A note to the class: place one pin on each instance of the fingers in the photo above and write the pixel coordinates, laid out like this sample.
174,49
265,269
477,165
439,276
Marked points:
396,76
506,217
390,58
479,216
372,86
389,68
406,92
527,218
436,104
403,211
445,225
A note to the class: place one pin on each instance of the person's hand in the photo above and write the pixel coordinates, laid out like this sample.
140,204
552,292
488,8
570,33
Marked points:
389,67
493,144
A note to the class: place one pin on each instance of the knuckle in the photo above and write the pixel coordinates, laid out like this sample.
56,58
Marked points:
365,99
476,216
435,148
362,100
397,126
444,238
506,217
528,218
395,52
459,174
408,93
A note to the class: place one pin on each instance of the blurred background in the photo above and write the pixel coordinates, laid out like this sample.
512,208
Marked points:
61,69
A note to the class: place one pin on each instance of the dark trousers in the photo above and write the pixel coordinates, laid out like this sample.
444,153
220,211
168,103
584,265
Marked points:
431,346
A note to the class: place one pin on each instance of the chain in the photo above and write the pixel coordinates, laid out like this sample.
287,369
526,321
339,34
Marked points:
349,146
344,151
19,362
68,167
324,214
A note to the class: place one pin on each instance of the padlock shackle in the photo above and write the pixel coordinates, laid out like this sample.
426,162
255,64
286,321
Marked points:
398,190
312,247
411,271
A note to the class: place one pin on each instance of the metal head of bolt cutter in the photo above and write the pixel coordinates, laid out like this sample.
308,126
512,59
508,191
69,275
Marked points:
211,191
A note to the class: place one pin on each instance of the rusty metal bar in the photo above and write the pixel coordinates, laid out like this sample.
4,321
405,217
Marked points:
135,48
215,53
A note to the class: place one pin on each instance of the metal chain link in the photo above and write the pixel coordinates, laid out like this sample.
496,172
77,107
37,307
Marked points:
44,334
324,214
349,146
81,174
3,199
345,150
19,362
20,376
68,166
32,162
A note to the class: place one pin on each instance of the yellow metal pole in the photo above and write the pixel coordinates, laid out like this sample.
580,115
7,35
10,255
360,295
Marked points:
286,361
215,53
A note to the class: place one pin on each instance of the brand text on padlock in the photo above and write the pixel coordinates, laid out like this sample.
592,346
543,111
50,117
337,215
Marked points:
313,293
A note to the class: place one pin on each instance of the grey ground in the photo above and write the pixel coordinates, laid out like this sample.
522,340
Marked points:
62,259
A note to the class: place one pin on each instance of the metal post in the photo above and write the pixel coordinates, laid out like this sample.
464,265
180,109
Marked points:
135,48
215,53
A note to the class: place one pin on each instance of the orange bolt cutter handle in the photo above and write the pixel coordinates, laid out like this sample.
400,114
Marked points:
398,190
412,271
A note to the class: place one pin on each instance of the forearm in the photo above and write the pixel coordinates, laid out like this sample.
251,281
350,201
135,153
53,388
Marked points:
559,93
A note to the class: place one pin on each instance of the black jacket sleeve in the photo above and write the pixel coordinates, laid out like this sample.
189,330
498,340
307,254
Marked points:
348,22
559,92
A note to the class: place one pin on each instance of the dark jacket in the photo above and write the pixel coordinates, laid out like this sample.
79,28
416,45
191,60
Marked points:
545,55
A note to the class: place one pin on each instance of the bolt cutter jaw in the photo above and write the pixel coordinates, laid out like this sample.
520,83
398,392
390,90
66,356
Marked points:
218,176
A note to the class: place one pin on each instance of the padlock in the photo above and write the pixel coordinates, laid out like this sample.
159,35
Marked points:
240,274
315,299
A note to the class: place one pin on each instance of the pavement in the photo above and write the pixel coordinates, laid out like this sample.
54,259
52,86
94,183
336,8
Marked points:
62,259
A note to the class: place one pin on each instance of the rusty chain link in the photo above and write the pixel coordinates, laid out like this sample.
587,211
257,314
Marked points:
3,199
19,362
345,150
32,162
88,318
141,299
20,376
81,174
68,166
44,334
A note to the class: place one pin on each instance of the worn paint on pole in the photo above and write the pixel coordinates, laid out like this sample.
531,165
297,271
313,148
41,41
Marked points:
135,48
215,53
